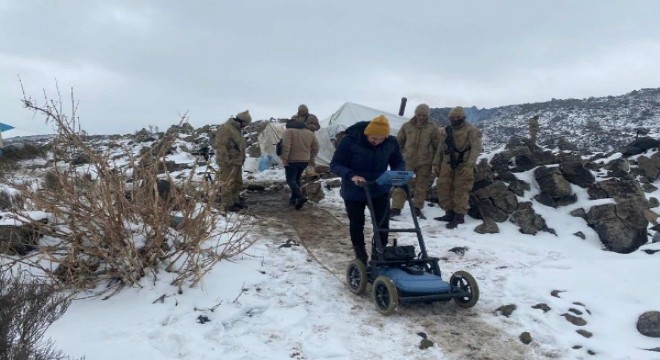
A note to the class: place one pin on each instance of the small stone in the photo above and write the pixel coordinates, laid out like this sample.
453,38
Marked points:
555,293
584,333
575,311
425,344
579,303
657,349
460,250
542,306
580,234
506,310
422,334
577,347
577,321
525,338
591,352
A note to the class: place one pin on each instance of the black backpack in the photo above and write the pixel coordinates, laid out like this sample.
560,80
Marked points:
278,148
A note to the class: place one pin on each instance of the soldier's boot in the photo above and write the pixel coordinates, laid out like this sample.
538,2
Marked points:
394,212
458,219
419,214
449,216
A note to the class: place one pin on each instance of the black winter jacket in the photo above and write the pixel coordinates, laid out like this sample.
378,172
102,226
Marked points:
356,156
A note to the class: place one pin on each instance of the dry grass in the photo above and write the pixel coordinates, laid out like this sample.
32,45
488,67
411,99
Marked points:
105,229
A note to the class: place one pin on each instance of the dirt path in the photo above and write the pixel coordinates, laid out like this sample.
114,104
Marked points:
461,333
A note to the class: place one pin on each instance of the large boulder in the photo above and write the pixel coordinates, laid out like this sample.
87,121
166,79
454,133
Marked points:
621,227
617,189
552,182
650,166
639,146
575,172
494,201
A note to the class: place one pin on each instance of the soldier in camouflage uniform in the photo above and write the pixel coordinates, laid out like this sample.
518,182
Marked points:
230,148
311,123
533,128
419,140
455,180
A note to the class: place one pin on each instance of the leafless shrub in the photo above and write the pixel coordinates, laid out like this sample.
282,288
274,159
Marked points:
104,229
10,200
27,309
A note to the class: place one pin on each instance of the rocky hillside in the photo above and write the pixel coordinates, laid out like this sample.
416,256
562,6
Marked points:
593,124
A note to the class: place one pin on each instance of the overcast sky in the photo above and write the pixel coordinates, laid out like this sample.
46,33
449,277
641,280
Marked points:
138,63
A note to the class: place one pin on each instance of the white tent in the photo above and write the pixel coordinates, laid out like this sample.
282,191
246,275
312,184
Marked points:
347,115
268,137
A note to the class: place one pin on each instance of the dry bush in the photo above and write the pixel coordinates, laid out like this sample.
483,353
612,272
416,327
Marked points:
27,309
110,222
10,200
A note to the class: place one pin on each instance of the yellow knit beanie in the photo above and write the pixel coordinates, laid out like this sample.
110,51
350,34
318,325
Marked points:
378,126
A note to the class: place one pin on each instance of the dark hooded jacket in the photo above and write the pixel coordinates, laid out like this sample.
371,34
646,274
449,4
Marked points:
356,156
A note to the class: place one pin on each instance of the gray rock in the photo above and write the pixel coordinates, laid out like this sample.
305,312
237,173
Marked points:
580,234
650,167
506,310
614,230
575,320
525,338
653,202
648,324
527,219
617,189
576,173
552,182
618,168
579,212
489,226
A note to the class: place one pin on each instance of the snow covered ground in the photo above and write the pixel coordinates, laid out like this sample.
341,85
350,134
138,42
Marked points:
275,302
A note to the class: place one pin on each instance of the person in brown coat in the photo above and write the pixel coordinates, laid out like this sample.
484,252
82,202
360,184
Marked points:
455,168
230,148
419,140
312,123
299,149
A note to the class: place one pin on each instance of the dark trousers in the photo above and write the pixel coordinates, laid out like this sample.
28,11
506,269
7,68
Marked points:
293,173
356,218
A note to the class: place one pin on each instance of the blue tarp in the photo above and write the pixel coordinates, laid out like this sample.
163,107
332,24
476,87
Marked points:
5,127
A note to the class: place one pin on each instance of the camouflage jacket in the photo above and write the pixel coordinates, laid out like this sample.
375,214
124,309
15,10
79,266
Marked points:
229,144
467,139
419,143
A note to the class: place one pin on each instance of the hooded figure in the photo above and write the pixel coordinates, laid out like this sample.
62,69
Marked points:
365,153
312,123
533,128
454,164
419,140
230,148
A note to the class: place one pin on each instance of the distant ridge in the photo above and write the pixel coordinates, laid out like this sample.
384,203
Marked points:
591,124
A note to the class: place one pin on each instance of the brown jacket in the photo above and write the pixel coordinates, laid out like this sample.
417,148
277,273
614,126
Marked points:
419,143
229,144
299,145
310,120
467,139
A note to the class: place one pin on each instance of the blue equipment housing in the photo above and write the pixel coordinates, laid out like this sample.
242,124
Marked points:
399,274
